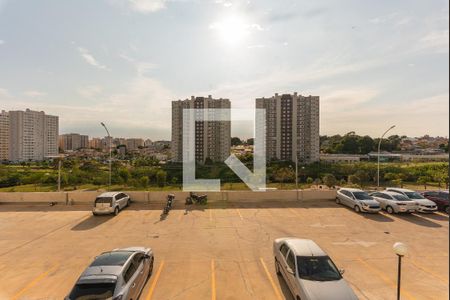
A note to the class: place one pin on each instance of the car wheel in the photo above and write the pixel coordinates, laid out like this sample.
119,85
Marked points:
446,209
338,201
390,210
357,209
93,213
116,211
128,202
277,267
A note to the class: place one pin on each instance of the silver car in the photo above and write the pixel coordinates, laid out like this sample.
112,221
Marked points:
308,271
110,203
357,199
423,204
116,275
394,202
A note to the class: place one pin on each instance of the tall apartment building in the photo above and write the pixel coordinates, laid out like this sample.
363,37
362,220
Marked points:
292,127
212,138
33,135
4,135
95,143
134,144
73,141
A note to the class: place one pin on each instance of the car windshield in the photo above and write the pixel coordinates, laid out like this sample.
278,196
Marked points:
414,195
116,258
362,196
443,195
103,200
319,268
401,198
93,291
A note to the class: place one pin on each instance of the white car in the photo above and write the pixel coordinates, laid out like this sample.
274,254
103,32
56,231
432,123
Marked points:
423,204
110,203
309,272
394,202
357,199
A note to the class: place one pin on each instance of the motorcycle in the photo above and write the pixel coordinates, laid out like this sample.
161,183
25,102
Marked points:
168,207
194,198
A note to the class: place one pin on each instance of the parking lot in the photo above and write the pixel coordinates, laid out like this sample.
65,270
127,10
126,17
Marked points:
221,251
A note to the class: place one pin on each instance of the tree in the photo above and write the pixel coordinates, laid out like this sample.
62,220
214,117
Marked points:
235,141
329,180
363,177
251,141
124,174
161,177
354,179
144,181
309,180
284,174
424,180
397,182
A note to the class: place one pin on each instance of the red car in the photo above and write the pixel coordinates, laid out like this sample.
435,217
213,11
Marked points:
438,197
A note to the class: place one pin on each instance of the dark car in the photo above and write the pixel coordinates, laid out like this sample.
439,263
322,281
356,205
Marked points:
118,275
438,197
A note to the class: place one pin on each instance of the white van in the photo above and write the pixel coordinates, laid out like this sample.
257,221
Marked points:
110,203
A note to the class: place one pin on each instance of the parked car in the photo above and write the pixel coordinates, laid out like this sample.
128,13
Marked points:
423,204
440,198
308,271
393,202
110,203
357,199
117,275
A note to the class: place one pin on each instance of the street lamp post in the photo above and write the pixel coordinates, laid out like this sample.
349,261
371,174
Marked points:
378,156
400,249
110,153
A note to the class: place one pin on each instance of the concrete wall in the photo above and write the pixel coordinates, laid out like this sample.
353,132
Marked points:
74,198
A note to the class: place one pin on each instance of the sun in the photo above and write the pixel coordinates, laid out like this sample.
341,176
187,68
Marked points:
232,30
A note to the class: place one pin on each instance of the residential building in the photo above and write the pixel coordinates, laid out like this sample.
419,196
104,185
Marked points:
148,143
95,143
212,138
4,136
33,135
73,141
292,127
134,144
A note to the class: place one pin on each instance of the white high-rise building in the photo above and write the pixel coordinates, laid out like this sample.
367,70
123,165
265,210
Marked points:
292,127
212,138
33,135
4,135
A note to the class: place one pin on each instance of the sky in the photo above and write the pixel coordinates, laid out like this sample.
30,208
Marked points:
122,62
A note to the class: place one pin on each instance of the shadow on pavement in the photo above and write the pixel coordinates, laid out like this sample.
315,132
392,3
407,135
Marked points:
436,217
284,288
178,205
91,222
378,217
418,220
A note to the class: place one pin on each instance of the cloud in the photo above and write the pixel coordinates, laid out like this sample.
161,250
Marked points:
90,92
34,94
4,94
224,3
90,59
147,6
370,119
437,41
